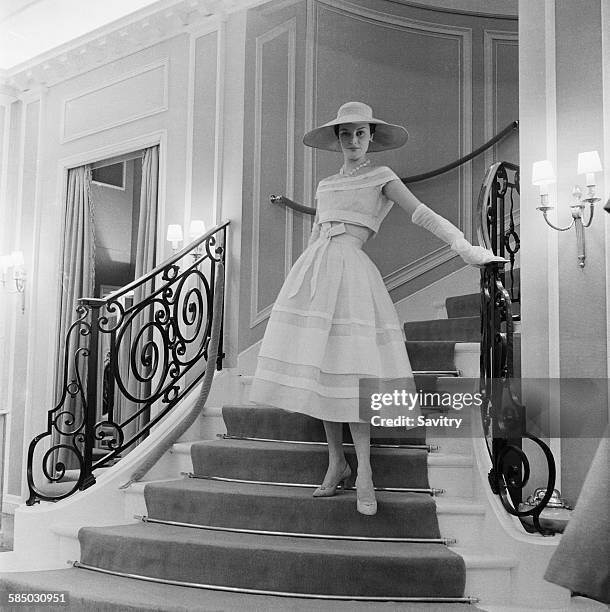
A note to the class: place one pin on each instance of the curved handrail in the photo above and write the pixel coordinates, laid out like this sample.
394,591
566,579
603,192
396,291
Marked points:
511,127
155,334
308,210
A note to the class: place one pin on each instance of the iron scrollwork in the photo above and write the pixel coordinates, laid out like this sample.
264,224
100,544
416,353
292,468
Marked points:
151,339
502,413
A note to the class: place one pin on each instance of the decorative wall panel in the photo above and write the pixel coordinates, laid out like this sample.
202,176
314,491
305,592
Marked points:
127,98
274,118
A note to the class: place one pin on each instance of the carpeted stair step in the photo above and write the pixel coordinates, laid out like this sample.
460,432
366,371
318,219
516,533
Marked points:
95,592
300,463
269,423
290,509
459,329
469,305
431,354
275,563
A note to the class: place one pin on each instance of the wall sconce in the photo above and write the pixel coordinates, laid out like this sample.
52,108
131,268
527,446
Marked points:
543,175
174,235
196,230
14,261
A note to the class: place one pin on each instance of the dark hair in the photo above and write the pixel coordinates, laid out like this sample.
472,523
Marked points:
372,127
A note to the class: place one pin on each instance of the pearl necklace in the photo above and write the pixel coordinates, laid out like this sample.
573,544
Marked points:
353,171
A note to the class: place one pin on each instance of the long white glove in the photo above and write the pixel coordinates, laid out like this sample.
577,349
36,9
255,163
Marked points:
446,231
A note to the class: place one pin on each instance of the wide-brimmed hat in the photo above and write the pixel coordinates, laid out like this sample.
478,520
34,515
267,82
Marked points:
387,136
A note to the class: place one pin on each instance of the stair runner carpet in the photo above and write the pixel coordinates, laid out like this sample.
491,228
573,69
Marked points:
223,556
283,563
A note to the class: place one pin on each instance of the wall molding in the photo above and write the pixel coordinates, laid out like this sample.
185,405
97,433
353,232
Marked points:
550,86
401,22
6,103
309,112
33,288
219,141
126,76
288,27
144,28
605,20
416,268
456,10
18,218
190,129
218,28
195,34
492,40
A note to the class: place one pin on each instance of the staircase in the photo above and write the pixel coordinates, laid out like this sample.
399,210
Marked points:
242,531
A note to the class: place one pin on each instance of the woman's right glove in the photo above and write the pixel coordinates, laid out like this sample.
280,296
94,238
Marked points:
446,231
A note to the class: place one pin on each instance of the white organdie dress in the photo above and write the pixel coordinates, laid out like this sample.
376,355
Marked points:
333,321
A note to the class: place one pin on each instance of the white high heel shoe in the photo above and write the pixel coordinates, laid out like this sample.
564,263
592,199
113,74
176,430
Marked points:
366,503
330,490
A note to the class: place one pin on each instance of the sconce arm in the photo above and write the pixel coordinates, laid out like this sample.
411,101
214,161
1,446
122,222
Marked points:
550,224
591,213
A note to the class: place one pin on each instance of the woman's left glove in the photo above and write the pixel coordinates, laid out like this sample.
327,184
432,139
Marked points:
474,255
446,231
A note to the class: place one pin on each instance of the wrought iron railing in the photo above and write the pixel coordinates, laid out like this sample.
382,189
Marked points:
130,358
498,207
502,413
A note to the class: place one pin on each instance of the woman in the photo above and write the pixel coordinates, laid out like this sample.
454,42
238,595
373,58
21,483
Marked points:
333,322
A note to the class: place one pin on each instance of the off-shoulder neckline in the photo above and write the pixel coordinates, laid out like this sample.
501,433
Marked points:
353,176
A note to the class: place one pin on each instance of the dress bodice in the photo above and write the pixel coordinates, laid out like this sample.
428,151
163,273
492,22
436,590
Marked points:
357,199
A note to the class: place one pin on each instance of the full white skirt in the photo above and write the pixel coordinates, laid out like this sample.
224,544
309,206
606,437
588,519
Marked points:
332,324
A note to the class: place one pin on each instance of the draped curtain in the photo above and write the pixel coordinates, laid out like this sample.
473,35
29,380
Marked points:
77,280
145,262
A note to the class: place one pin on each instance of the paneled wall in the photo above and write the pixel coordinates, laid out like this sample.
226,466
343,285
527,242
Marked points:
451,78
273,160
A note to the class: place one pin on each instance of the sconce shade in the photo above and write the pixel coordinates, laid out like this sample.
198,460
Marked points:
17,259
589,162
174,233
196,229
543,173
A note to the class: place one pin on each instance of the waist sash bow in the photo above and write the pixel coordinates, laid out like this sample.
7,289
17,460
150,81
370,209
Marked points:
315,254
